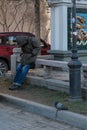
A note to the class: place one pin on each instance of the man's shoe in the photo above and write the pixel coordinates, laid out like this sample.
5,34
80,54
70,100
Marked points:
14,87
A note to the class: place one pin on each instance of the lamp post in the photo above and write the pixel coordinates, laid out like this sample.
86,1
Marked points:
74,65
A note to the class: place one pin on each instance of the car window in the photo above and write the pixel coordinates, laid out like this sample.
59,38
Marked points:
10,40
3,40
41,44
0,40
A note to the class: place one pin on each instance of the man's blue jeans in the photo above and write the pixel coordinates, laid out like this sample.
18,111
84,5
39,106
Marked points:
21,73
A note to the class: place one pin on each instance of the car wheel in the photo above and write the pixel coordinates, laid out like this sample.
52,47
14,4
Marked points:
3,67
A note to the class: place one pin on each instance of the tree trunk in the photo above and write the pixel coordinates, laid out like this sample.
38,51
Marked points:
37,18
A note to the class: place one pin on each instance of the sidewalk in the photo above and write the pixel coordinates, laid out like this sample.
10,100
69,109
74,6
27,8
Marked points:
26,106
15,115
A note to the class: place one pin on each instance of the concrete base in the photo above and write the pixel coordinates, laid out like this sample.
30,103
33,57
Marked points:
66,55
60,55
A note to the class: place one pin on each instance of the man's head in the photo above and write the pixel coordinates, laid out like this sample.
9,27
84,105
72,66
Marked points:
22,40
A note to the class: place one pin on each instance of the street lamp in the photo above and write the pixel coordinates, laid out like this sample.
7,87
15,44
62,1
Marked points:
74,65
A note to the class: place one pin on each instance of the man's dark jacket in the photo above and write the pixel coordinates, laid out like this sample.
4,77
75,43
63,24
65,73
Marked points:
30,48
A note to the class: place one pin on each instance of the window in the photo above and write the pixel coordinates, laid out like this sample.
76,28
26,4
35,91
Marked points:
11,40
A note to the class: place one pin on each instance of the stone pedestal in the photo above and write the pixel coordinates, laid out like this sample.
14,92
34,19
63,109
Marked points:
66,55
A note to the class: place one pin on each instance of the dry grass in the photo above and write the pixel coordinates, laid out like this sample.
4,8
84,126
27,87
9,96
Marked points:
42,95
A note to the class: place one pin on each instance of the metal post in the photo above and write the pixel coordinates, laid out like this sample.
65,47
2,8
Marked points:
74,64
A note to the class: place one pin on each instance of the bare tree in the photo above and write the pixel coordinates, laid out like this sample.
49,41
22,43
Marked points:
14,14
37,18
24,16
44,20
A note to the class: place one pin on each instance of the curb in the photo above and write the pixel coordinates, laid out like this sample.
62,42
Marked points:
71,118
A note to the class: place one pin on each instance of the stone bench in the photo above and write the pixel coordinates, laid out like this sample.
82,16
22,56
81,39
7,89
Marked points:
48,66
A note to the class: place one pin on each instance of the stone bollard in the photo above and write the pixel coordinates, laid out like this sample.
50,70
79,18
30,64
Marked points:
15,59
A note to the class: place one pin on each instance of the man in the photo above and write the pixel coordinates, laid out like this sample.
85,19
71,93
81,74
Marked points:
30,49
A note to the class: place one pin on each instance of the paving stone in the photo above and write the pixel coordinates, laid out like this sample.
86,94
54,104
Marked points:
12,118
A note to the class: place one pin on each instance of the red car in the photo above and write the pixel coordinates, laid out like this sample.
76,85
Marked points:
8,42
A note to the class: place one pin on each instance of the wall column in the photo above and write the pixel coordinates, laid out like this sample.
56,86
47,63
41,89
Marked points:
59,24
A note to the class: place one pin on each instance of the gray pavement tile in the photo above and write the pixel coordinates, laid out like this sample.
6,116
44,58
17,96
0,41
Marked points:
12,118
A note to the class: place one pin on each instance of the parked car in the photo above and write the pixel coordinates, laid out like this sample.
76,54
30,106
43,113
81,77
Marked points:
8,42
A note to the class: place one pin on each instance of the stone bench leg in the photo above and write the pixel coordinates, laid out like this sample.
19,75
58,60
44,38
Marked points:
15,59
47,72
